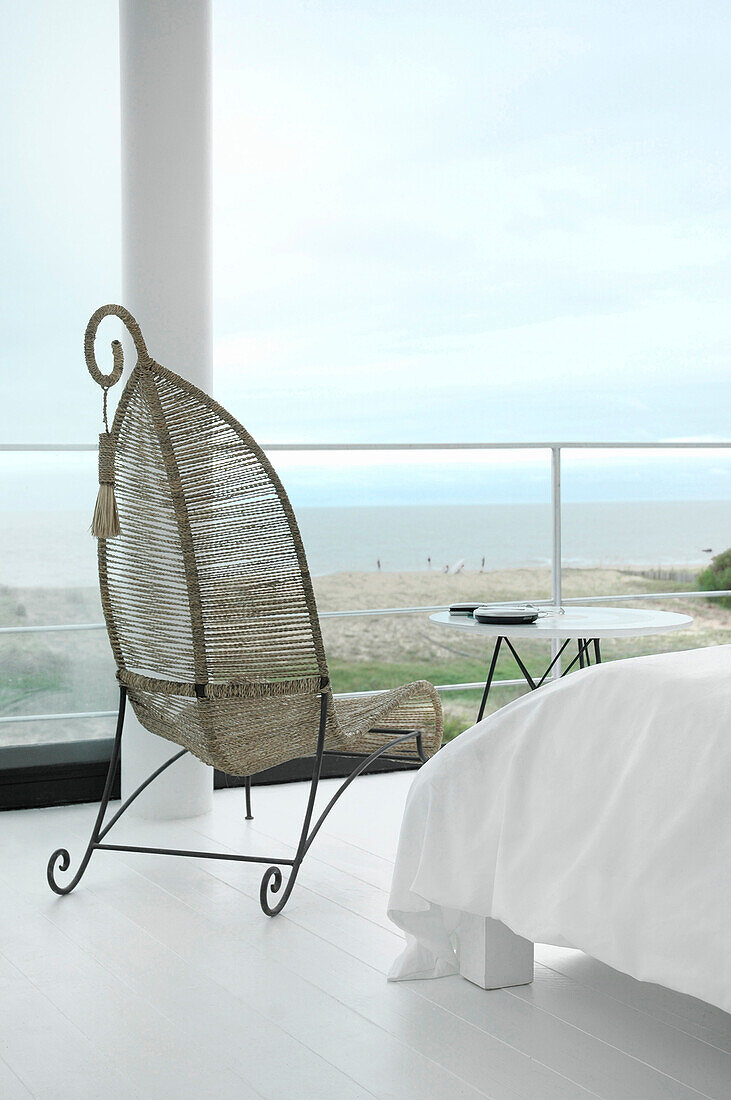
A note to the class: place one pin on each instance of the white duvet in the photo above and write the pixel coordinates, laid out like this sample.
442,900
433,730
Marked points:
593,813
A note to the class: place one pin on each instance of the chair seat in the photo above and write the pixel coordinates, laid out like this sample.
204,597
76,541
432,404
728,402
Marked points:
242,736
413,706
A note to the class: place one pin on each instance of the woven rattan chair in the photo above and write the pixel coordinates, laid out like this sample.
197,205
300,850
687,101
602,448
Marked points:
210,609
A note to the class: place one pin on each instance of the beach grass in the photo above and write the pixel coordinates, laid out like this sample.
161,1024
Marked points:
72,672
370,653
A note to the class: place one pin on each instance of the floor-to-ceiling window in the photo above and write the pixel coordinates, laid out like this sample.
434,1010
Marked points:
457,221
60,249
433,223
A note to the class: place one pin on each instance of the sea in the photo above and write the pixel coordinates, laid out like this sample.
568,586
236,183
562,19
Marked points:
55,549
640,511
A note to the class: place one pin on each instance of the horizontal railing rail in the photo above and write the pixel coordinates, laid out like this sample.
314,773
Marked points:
563,445
553,447
380,611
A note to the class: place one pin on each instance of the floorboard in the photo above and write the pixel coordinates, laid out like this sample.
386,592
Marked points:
160,976
688,1014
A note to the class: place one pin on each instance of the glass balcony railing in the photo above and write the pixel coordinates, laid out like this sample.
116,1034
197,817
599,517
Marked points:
391,532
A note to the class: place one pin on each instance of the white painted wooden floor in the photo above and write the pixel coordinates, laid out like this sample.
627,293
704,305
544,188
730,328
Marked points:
160,977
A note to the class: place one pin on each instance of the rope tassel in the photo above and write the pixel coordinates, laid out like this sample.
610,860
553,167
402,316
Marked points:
105,523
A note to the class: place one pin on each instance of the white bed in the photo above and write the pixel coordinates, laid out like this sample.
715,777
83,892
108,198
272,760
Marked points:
593,813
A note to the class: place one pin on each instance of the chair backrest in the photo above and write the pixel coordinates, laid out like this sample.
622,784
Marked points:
207,584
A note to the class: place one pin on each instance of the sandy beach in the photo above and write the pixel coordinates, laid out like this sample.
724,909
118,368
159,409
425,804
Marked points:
370,652
69,672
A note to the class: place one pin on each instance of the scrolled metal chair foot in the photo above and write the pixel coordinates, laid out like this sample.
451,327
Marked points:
61,861
272,881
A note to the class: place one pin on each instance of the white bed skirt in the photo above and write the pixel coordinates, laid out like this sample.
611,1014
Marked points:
593,813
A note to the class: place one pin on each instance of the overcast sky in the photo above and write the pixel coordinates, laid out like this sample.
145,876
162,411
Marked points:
432,220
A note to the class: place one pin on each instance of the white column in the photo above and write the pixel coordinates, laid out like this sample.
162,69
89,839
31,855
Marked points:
165,82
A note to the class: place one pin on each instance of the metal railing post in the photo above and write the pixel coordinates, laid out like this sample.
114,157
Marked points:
556,547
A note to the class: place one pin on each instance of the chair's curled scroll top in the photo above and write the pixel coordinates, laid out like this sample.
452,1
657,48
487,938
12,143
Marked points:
105,522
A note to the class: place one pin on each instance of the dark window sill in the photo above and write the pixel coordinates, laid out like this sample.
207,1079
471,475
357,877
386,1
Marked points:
53,781
63,774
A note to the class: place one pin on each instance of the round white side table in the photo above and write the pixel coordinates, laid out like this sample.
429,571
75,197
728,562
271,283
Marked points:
587,626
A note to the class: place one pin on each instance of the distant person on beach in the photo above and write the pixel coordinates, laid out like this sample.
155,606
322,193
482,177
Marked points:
378,563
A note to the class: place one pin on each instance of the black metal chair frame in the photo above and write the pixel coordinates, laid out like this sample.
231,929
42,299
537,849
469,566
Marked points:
272,879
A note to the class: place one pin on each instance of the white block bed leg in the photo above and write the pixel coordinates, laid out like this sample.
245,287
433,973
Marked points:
492,956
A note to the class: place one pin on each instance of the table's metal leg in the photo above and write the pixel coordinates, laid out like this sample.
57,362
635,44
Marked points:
488,682
581,655
526,674
553,663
